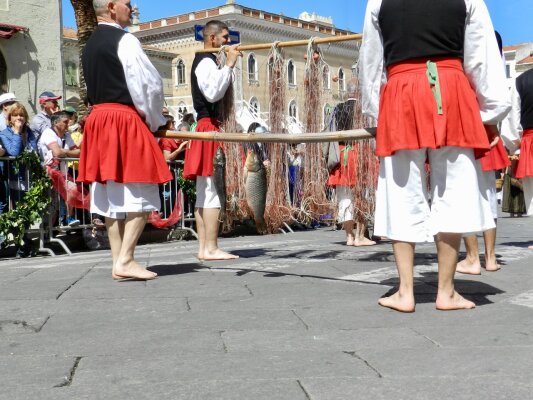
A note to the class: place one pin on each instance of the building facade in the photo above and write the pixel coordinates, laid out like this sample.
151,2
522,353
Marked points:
176,34
518,59
30,49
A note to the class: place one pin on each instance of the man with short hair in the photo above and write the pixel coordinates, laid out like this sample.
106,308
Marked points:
55,143
209,82
49,105
433,81
518,132
6,100
120,157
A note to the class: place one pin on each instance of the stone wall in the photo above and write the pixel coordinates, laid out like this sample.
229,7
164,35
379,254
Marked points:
33,59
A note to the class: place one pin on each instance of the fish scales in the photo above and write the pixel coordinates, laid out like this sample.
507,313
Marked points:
256,189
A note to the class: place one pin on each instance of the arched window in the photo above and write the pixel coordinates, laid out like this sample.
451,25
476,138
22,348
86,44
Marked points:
291,73
326,78
270,67
180,72
3,74
342,80
327,113
254,106
252,68
293,109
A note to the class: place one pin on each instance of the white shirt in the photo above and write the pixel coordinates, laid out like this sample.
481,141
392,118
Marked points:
511,130
49,137
482,62
213,81
144,82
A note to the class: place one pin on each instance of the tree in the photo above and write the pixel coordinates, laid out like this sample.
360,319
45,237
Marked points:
86,23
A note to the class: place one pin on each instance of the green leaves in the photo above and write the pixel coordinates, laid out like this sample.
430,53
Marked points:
34,203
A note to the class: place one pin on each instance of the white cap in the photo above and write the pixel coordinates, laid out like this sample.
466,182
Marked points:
7,97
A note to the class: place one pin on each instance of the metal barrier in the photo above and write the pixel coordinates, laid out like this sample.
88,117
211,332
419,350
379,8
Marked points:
169,195
63,218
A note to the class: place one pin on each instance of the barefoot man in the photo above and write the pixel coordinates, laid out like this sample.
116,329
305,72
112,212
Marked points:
518,129
120,156
209,83
432,79
344,176
493,161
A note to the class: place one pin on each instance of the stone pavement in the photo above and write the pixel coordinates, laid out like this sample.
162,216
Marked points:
296,318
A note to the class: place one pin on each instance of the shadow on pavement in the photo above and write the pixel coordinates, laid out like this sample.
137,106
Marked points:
523,244
176,269
475,291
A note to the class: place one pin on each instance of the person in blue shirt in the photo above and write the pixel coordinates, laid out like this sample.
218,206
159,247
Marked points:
15,139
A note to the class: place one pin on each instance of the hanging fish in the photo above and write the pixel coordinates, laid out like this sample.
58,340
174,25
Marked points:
256,189
219,179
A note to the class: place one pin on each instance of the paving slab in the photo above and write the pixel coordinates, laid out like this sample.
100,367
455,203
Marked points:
493,388
111,370
242,389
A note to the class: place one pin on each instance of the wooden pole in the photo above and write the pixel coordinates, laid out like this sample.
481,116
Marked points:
294,43
321,137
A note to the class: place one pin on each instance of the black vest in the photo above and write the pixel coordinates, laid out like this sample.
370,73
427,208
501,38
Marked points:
202,107
426,29
524,86
103,71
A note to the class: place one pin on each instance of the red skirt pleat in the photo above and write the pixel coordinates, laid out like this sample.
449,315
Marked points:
118,146
345,175
199,155
525,163
495,159
408,116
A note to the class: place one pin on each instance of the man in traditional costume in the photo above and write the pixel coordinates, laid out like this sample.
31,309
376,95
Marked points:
518,130
209,83
120,156
432,79
345,178
491,163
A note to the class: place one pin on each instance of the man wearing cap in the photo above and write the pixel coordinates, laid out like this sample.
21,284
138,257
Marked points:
120,157
49,105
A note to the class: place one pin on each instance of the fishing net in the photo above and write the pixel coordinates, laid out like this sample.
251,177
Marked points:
278,209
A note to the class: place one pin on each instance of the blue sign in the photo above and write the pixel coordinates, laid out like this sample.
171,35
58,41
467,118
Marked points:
234,36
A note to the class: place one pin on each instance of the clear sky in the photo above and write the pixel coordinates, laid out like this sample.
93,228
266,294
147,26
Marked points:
512,18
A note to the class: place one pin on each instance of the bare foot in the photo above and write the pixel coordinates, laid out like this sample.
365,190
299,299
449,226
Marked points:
363,242
530,247
468,267
455,302
218,255
492,265
349,242
400,303
131,270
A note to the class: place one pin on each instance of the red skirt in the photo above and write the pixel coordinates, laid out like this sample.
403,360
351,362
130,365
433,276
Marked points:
199,154
525,163
344,174
408,116
495,159
118,146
